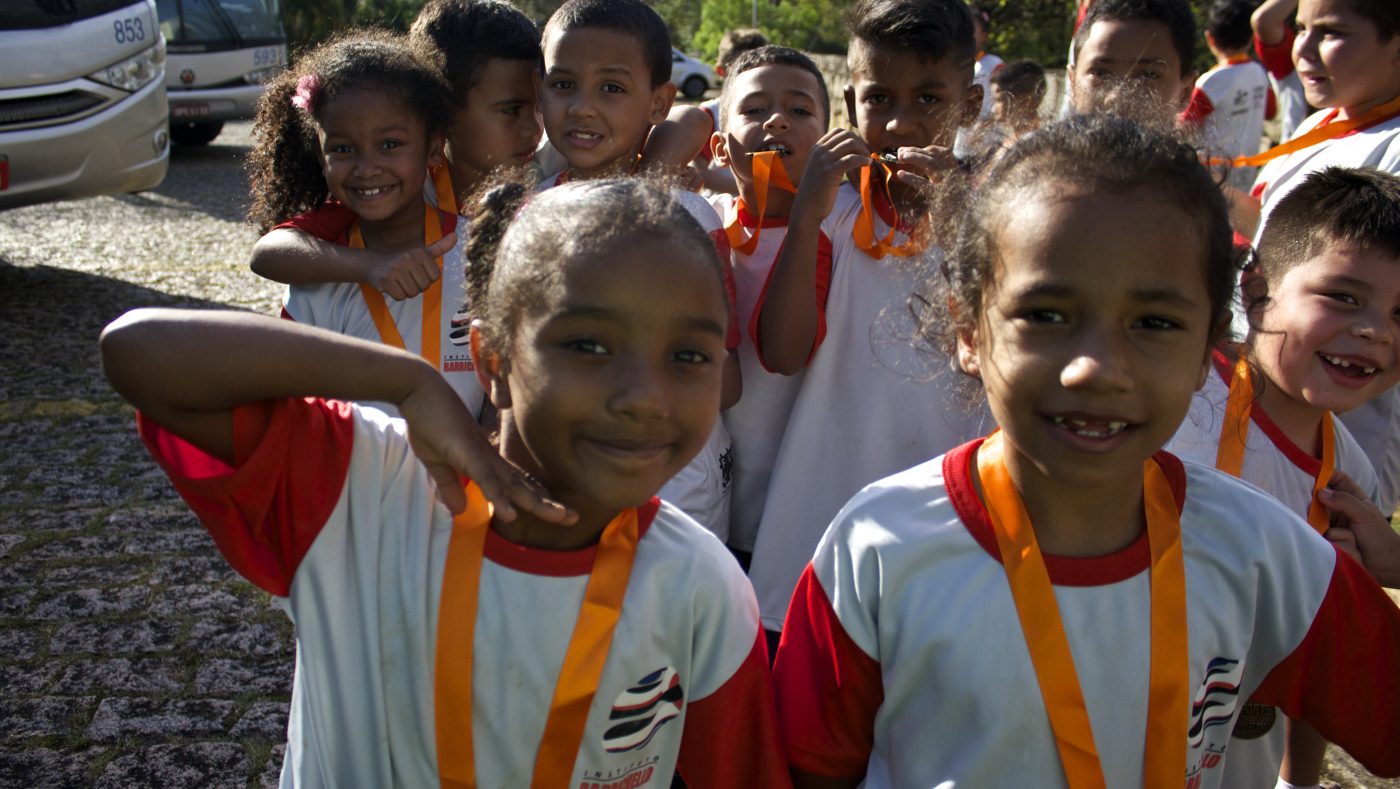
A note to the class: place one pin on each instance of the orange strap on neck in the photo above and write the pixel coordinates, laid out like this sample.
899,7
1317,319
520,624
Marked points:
863,231
1237,59
1229,454
431,336
1318,134
442,187
583,660
1168,702
768,170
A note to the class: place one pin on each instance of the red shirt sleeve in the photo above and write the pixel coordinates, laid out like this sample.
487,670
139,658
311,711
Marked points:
1198,108
291,460
823,290
331,222
731,735
1342,678
731,288
828,689
1277,58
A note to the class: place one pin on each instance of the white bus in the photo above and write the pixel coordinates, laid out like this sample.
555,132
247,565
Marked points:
82,99
220,52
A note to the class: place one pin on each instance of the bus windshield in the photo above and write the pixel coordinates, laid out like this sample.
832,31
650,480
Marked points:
36,14
221,23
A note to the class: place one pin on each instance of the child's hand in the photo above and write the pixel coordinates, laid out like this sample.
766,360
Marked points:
920,166
407,274
839,152
1360,529
451,445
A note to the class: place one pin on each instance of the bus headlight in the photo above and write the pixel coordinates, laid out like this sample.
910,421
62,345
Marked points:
137,71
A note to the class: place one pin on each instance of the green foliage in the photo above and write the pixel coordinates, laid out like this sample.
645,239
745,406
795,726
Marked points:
389,14
1036,29
809,25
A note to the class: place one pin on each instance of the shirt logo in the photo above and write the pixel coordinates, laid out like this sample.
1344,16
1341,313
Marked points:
1215,702
641,710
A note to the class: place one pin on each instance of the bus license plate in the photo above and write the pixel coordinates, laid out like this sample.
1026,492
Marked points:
191,110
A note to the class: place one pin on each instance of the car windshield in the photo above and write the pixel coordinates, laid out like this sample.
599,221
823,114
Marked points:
220,21
36,14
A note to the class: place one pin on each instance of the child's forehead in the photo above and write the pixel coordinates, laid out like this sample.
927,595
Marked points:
594,48
775,78
872,62
1130,41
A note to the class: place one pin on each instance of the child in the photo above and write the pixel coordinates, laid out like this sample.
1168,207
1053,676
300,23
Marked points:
1133,57
1273,43
931,642
607,82
867,405
1232,100
774,104
1018,89
488,53
684,137
599,344
1321,303
362,119
1348,56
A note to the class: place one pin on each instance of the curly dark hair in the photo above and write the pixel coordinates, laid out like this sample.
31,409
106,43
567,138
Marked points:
459,37
284,167
521,243
1108,152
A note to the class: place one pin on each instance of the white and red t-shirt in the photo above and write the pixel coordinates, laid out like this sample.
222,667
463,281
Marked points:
328,509
702,489
1283,78
341,307
903,658
1229,105
757,422
1282,469
870,403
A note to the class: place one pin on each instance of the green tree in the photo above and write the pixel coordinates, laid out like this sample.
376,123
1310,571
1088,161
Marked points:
809,25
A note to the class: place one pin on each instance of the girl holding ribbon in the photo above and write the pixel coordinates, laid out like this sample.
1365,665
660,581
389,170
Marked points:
452,643
1062,603
360,120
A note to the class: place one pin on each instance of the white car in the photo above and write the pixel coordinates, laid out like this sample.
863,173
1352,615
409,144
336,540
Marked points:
82,100
692,76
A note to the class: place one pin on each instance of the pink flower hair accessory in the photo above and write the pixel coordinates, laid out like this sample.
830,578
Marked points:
307,88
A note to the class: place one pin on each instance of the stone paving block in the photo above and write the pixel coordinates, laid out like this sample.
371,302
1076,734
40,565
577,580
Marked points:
84,495
78,547
16,603
48,519
8,542
121,573
227,634
154,719
20,643
80,603
192,599
172,542
121,675
240,677
204,765
43,717
20,573
179,571
17,498
78,476
26,679
265,719
45,768
272,771
116,638
144,520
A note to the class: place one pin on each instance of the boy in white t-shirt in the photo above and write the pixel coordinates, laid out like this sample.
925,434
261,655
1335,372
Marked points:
1232,100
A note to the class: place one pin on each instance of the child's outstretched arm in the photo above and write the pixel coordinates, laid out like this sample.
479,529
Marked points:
295,258
788,320
188,369
1270,20
674,142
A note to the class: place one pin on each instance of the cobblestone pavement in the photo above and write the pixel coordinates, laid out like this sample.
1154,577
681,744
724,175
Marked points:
130,655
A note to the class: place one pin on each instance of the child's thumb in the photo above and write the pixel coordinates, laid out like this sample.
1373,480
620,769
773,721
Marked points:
440,247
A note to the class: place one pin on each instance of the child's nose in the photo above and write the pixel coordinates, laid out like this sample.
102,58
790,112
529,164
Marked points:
582,106
641,391
900,122
1099,362
1376,326
777,120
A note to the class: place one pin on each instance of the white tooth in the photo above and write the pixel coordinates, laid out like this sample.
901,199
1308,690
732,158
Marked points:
1368,370
1116,426
1078,423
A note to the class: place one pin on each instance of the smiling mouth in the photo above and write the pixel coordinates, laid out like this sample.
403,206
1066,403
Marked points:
1348,368
780,148
371,192
1091,428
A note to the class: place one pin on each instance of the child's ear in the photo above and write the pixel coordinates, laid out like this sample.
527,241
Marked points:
1188,84
968,359
436,156
1254,294
719,148
972,105
492,370
661,100
850,95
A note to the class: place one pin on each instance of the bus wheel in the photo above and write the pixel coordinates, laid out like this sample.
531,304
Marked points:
201,133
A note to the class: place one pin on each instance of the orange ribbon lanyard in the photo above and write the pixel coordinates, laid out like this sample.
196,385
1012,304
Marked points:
1237,59
1319,134
863,232
583,660
1168,704
768,170
442,187
1229,455
431,337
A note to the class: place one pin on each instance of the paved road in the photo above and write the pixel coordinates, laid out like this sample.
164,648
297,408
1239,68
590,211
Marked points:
130,656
